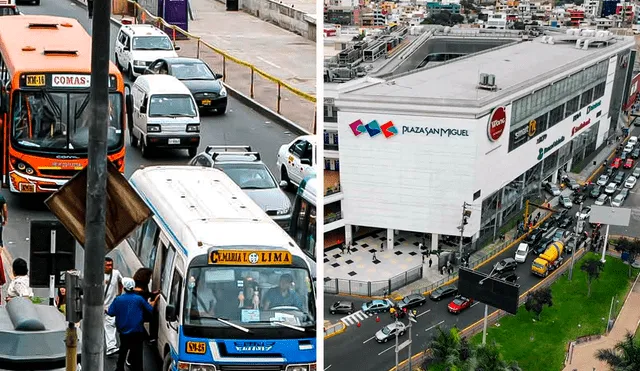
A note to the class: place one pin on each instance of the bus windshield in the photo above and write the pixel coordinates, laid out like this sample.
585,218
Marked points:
58,122
251,297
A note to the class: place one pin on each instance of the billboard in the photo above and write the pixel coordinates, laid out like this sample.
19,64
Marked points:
491,291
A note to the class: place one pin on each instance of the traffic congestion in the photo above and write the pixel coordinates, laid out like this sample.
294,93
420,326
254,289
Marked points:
170,118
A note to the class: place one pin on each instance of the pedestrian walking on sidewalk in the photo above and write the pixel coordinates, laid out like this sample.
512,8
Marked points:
382,247
423,258
374,256
349,249
430,262
343,247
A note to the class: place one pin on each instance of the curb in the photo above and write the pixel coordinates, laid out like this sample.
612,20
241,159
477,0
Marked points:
337,332
247,101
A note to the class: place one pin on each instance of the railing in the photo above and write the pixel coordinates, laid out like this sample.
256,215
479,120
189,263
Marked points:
332,217
492,318
334,329
282,98
372,288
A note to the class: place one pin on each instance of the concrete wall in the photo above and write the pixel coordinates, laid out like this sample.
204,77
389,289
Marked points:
282,15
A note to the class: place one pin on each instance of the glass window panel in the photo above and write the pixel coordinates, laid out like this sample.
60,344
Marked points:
556,115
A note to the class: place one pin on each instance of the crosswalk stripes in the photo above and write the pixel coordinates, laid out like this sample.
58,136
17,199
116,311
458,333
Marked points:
354,318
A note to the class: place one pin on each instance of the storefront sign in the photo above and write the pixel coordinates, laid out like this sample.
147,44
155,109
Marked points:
545,150
593,106
576,129
533,126
521,134
541,138
427,131
497,123
577,116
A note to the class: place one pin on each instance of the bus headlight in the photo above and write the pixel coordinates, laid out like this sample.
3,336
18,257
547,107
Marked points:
284,211
140,63
24,167
194,128
307,367
153,128
186,366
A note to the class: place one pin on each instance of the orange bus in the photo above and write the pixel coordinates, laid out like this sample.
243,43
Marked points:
45,75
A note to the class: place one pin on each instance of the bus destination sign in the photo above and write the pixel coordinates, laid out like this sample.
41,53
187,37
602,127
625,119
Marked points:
241,257
61,81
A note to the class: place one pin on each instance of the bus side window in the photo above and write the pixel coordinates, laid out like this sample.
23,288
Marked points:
135,239
166,270
176,291
149,244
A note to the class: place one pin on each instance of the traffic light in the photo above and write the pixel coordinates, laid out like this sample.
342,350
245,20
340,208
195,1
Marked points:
90,8
73,284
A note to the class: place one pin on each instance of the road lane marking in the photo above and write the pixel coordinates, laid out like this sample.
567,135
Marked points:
434,326
269,63
474,304
369,339
354,318
328,367
388,349
425,312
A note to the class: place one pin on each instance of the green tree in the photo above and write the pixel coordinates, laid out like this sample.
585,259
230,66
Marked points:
592,267
536,300
457,18
489,359
631,247
625,355
444,346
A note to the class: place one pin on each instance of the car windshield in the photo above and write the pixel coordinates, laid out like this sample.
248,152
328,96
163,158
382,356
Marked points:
386,330
585,210
58,122
618,198
537,265
171,105
458,301
191,71
152,43
249,175
249,296
602,198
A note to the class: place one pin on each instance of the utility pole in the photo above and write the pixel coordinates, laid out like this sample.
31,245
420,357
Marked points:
95,223
466,213
397,335
412,318
577,233
486,309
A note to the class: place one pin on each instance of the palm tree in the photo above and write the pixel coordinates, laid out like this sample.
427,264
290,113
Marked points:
445,346
624,356
490,359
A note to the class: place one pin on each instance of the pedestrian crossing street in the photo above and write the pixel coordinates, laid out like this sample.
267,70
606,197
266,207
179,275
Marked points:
354,318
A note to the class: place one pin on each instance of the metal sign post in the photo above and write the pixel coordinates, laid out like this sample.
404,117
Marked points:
52,277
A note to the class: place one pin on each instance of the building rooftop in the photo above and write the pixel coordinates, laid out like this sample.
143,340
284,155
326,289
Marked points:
515,66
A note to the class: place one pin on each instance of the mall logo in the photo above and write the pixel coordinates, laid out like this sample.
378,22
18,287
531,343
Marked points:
593,106
373,128
497,123
545,150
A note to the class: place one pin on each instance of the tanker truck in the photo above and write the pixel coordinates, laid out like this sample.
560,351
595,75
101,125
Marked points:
549,260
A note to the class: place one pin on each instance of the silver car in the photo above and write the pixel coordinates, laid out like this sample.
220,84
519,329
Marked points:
617,201
389,332
636,172
246,169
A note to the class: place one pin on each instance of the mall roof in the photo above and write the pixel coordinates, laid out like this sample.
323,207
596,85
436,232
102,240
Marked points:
516,66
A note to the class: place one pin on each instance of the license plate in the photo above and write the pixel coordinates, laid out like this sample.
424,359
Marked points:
174,141
27,188
206,102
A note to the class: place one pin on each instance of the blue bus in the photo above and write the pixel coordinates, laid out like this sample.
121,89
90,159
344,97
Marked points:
236,291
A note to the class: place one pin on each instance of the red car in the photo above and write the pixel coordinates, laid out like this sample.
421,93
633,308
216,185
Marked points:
628,164
459,303
616,163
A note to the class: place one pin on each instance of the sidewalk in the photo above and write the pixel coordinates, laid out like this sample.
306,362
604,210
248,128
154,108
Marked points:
583,358
271,49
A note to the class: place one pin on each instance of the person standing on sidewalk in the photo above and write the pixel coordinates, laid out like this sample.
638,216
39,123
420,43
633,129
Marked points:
430,262
113,288
129,311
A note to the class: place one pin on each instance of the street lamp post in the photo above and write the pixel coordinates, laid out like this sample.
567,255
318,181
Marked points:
397,335
411,316
486,310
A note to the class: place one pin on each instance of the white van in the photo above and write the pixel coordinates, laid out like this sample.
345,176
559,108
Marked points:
521,253
162,113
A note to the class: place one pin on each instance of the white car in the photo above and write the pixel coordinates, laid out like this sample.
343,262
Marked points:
139,45
521,253
617,201
611,188
602,181
633,141
602,199
296,159
636,172
565,201
630,182
628,148
584,213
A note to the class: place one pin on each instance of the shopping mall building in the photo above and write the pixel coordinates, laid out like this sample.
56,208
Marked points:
485,129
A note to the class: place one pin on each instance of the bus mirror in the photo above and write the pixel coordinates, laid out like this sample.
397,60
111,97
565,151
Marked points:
3,101
170,314
143,109
305,161
127,89
283,183
128,103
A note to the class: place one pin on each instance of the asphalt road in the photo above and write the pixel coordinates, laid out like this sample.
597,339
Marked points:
239,126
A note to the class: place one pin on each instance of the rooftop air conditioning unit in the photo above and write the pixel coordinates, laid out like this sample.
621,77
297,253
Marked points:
484,79
491,80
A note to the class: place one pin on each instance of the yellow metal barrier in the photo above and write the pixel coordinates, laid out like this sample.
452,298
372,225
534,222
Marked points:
277,95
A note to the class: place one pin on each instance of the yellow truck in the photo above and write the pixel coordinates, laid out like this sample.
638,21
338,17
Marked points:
549,260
